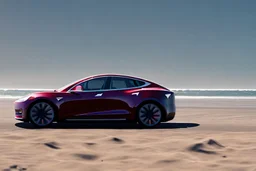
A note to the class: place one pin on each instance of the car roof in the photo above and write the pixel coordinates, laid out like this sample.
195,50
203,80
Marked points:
114,75
103,75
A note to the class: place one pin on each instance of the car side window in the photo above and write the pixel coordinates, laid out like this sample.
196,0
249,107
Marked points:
120,83
136,83
139,83
93,84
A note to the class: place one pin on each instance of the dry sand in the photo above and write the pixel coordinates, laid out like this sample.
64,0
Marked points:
199,138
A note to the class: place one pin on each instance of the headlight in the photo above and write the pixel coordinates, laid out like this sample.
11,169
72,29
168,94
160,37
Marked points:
25,98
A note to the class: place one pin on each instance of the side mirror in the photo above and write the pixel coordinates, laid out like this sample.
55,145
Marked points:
78,88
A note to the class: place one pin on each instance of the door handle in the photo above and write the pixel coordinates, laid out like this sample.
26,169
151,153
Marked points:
137,93
99,95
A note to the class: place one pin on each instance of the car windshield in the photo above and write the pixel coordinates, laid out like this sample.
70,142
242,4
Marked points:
64,87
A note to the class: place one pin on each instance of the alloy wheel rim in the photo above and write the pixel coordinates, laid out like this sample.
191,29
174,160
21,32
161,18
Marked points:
150,114
42,114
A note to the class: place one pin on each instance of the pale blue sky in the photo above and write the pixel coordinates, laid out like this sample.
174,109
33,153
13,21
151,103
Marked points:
179,44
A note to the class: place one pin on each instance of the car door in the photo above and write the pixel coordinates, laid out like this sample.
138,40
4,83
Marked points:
119,103
84,99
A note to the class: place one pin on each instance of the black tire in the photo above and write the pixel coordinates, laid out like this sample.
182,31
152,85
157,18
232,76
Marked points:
41,114
149,115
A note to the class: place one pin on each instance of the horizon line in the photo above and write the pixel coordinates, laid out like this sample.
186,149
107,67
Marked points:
177,89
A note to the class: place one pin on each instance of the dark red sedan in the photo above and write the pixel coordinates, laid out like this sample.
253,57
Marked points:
101,97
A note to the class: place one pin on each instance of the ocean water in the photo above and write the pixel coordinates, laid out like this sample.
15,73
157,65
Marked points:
215,93
180,93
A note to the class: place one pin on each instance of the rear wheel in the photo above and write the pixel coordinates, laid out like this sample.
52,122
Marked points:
149,115
41,114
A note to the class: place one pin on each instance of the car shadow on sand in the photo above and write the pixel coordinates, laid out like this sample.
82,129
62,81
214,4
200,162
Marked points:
106,125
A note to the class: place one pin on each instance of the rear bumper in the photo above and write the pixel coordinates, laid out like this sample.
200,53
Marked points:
170,108
170,116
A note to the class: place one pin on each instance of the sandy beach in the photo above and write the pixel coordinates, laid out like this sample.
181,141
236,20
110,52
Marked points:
205,135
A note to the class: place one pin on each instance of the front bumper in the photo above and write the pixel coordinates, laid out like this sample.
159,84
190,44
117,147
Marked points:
20,111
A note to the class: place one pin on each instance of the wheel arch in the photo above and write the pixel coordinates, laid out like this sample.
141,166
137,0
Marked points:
43,100
156,102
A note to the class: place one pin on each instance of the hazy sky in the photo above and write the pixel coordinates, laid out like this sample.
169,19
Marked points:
179,44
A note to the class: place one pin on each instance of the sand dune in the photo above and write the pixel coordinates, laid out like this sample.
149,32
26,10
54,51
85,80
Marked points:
196,140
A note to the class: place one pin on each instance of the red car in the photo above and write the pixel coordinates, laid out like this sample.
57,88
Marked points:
108,97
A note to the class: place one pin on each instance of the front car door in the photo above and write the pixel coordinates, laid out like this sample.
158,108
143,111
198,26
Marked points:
84,99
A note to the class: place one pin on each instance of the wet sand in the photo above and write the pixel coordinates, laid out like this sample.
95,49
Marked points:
205,135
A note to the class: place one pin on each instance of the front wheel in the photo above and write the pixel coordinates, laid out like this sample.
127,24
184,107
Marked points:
41,114
149,115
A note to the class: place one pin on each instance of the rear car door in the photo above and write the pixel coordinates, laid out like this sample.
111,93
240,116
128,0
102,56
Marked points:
120,103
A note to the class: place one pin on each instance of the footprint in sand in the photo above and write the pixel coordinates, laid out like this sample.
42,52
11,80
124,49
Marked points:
201,147
214,143
86,156
117,140
15,168
52,145
90,144
166,161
